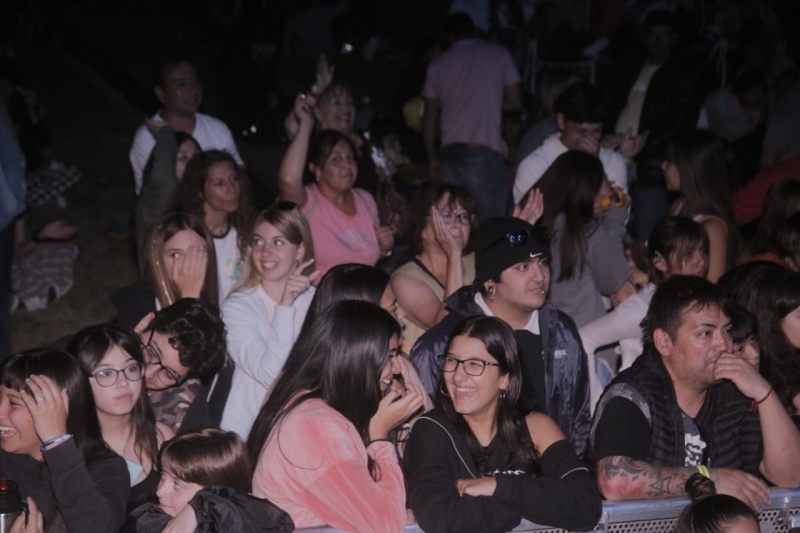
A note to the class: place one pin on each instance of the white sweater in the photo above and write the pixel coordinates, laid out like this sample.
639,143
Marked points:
261,334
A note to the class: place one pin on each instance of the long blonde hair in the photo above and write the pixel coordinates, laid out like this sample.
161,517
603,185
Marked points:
290,222
156,271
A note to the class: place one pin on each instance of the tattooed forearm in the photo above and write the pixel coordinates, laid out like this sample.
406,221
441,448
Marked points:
621,477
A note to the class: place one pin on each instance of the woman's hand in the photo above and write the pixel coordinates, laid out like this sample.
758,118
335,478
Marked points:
48,406
411,377
33,522
442,235
298,283
385,239
184,522
394,408
189,271
532,211
484,486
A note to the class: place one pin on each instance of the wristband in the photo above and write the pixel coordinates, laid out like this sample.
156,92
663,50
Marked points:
703,469
756,403
49,444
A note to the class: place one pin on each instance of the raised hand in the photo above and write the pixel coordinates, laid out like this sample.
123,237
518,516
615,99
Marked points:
298,283
325,73
532,211
48,405
189,271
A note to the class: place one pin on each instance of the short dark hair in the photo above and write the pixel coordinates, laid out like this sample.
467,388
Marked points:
196,330
459,25
581,102
167,61
673,298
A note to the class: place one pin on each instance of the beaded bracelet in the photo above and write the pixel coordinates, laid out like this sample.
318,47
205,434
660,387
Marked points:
49,444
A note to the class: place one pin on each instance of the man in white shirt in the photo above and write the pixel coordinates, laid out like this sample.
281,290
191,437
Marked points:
180,93
579,115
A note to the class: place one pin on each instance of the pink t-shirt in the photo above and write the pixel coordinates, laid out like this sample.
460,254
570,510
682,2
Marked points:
314,467
340,238
468,81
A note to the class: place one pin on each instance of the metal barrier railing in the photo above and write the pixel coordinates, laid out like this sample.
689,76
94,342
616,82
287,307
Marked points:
782,515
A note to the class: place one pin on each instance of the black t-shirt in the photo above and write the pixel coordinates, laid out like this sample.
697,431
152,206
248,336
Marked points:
532,361
623,430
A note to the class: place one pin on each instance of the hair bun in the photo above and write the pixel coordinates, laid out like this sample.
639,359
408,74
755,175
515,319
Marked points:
699,486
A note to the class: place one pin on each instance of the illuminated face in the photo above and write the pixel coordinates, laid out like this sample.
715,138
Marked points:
222,189
340,169
392,365
524,285
163,369
17,434
174,494
454,216
336,111
273,255
176,247
691,262
474,397
120,398
704,335
574,133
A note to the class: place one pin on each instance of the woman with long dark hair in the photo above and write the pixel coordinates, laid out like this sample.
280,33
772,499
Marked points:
476,463
321,438
587,229
52,445
696,168
113,359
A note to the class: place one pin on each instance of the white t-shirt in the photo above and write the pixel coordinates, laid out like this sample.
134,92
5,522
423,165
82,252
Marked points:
210,133
229,262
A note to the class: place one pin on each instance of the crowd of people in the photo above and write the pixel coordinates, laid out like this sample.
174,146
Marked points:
501,342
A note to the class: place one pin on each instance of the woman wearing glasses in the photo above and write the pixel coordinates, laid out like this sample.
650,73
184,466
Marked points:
112,358
476,463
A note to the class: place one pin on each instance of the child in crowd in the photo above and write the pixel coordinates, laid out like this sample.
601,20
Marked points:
205,479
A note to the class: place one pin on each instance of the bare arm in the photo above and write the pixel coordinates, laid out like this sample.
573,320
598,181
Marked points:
290,175
430,123
417,299
626,291
717,248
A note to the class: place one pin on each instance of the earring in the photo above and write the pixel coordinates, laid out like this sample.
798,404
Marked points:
502,394
442,390
491,293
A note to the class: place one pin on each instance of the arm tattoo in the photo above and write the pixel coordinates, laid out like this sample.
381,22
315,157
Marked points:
649,481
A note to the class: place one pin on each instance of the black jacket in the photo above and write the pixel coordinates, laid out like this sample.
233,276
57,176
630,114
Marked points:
564,496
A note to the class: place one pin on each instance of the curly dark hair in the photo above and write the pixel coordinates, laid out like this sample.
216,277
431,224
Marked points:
196,330
190,196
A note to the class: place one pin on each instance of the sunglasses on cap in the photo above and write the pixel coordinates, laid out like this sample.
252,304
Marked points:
517,239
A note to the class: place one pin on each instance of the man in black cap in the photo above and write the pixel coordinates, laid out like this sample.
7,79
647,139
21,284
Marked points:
512,277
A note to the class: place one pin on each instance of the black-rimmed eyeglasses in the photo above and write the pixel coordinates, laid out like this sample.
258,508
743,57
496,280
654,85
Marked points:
473,367
165,375
108,377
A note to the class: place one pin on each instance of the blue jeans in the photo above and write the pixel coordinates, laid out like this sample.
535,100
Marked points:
482,172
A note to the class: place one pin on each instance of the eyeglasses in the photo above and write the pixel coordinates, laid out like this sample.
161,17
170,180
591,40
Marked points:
464,218
473,367
165,375
108,376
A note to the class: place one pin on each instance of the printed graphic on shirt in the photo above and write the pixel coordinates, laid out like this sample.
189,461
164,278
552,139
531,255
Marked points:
694,443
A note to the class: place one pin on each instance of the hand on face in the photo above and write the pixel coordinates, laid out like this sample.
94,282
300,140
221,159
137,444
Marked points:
325,73
48,405
298,283
442,234
394,409
742,373
189,271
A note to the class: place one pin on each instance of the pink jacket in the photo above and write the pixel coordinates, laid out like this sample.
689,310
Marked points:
314,467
